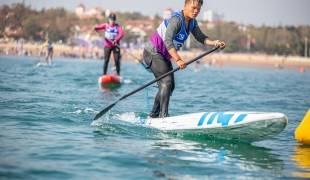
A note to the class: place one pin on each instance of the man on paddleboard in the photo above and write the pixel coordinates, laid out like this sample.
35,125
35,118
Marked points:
48,46
163,46
113,34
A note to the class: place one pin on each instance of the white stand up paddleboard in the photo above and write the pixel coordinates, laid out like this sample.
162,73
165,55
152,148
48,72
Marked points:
242,126
53,64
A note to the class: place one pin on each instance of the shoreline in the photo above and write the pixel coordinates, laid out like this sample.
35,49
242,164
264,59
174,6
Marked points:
216,58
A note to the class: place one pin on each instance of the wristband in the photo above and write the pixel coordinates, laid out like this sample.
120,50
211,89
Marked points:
216,42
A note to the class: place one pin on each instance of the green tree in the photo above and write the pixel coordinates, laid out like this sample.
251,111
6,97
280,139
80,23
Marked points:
32,29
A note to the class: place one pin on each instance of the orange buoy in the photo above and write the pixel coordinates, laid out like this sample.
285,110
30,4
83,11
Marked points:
302,134
302,69
219,64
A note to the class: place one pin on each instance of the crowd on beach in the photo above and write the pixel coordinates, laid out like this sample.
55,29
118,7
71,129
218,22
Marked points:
275,61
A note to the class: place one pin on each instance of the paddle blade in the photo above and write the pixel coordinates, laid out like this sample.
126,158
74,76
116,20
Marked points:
105,111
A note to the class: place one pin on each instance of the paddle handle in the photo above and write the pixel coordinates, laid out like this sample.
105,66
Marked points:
168,73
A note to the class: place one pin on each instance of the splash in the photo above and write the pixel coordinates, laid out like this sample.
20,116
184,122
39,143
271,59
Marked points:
128,117
127,81
79,111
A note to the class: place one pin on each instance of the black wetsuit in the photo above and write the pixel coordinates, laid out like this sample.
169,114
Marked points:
107,53
159,66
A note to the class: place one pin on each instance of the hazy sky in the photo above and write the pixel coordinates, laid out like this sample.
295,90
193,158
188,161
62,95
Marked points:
256,12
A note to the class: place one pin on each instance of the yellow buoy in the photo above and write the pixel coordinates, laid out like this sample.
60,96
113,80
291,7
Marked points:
302,133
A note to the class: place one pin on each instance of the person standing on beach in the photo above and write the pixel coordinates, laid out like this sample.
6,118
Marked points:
113,35
48,47
163,46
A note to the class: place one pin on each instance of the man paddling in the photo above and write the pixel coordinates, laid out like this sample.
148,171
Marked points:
163,46
113,35
48,46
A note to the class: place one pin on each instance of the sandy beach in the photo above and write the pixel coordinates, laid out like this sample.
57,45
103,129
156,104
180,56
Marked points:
217,58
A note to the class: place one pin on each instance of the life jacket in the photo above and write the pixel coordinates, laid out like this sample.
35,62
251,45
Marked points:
179,39
49,46
111,33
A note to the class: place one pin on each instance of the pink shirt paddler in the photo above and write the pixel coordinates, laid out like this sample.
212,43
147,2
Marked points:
107,42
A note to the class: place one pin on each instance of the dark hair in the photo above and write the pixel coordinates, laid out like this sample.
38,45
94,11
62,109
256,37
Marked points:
199,1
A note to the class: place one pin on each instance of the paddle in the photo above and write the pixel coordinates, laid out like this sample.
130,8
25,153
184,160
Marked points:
38,61
140,61
101,113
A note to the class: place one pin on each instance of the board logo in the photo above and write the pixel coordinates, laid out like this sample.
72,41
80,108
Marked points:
222,118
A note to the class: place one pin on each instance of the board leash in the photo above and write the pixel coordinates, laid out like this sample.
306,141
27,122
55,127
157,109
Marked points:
148,100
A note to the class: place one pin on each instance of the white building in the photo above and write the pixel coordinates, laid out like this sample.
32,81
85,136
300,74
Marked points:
211,16
79,10
94,11
82,13
167,13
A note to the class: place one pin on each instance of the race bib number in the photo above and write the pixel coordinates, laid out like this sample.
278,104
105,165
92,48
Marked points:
110,36
177,45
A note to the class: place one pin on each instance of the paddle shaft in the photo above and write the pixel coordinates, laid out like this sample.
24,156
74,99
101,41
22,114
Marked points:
168,73
38,61
101,113
140,61
130,54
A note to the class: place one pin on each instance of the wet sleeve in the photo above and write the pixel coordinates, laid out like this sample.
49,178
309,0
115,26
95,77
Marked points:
198,34
174,26
120,33
100,27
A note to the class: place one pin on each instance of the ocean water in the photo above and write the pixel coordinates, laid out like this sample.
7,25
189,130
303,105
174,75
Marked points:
47,129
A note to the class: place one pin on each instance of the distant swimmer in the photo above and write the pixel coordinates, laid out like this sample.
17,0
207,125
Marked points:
113,35
48,47
163,46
